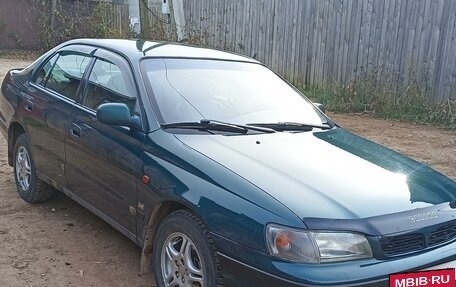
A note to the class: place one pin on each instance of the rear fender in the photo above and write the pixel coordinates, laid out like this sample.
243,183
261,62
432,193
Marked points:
14,131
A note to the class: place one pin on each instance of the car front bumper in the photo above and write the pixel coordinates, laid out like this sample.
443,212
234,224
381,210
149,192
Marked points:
243,266
238,274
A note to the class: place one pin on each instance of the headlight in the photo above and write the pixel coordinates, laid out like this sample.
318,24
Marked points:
316,247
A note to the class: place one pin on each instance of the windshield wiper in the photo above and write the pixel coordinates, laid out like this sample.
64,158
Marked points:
293,126
206,124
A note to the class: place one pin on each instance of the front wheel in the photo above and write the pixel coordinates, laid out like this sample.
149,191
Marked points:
184,254
29,187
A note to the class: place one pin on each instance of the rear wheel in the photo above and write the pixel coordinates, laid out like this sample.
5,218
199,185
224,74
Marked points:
29,187
184,254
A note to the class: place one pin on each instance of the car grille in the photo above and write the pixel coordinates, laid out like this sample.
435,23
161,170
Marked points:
417,241
443,234
395,245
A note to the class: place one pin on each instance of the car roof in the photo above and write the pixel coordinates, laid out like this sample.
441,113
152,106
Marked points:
140,49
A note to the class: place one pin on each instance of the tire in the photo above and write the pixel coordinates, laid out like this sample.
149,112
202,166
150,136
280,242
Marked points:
190,264
29,187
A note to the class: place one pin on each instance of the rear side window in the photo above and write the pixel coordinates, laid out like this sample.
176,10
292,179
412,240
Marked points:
67,73
108,84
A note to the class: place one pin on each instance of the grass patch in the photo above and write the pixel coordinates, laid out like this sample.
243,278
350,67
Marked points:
410,105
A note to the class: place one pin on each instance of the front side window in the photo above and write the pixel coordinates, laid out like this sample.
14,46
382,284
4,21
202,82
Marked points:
45,71
108,84
67,73
188,90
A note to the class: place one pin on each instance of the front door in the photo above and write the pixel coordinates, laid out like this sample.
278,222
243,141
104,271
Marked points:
102,161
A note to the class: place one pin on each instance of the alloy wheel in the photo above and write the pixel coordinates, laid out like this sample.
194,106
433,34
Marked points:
181,263
23,168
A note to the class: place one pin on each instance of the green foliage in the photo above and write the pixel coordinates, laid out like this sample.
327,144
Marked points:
5,32
76,19
410,105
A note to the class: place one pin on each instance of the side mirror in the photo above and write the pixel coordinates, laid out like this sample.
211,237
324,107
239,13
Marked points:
320,107
117,114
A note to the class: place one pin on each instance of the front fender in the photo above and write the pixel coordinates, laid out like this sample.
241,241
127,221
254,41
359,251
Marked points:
230,206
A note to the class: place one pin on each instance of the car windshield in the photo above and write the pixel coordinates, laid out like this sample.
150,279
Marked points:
189,90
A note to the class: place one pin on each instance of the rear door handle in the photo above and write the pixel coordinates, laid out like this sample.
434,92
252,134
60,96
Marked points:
75,131
28,105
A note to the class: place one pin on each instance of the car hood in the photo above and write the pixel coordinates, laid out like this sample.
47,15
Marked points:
327,174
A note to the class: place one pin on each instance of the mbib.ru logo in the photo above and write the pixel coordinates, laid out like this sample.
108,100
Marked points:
432,278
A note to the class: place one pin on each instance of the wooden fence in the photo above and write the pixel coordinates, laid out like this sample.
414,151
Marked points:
395,43
116,16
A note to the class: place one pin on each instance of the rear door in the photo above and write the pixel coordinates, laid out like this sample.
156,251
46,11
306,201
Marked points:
103,161
48,107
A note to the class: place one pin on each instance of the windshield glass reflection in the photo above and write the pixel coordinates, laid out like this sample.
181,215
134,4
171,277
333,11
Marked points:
186,90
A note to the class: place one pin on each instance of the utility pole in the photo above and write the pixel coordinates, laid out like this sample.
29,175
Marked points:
133,10
179,19
144,19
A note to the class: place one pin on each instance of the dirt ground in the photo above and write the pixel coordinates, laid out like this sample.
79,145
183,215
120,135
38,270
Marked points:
60,243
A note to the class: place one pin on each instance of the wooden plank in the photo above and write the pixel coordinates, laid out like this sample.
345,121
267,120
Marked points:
297,43
292,42
448,68
270,31
244,46
441,52
321,50
316,42
426,34
345,37
364,40
347,41
452,61
407,42
274,34
281,29
396,51
234,26
355,28
445,51
436,10
280,20
325,43
306,52
252,33
338,41
373,38
225,28
414,48
330,43
262,32
229,30
374,51
418,66
381,45
436,46
323,29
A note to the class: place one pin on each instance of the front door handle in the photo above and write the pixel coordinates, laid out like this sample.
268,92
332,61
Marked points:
75,131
